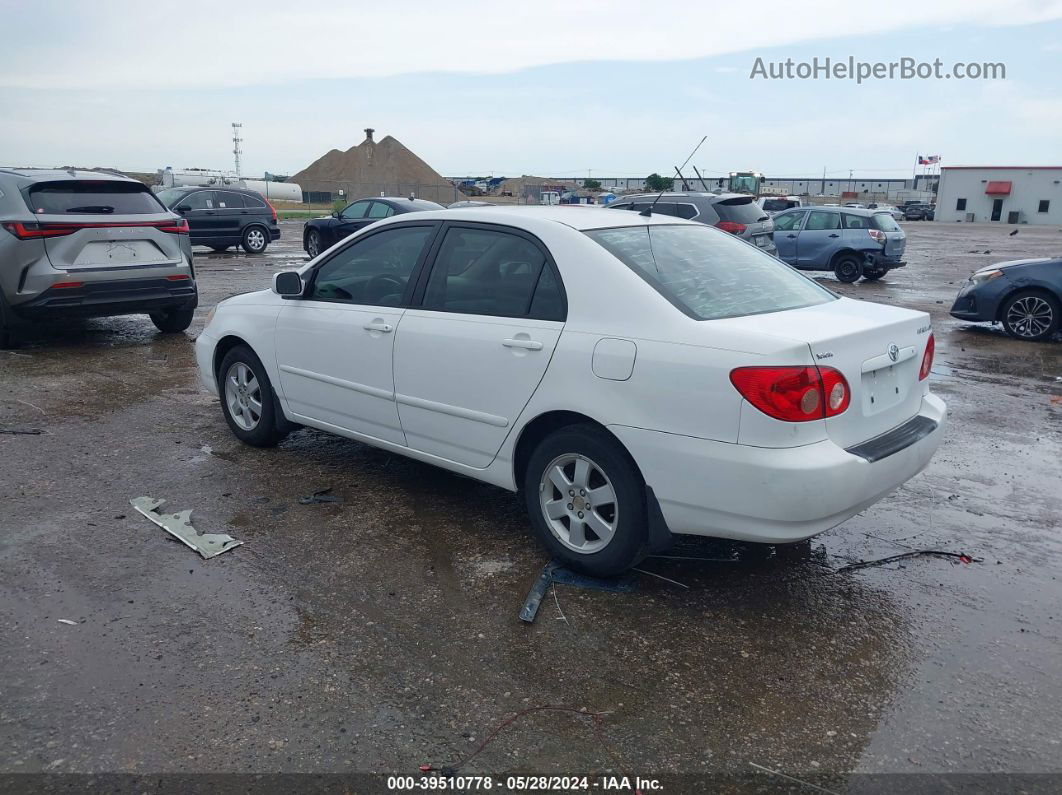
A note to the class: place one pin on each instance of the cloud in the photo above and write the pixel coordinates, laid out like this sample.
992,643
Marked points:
123,44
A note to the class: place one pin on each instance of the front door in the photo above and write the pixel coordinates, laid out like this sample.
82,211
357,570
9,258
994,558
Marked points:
997,209
199,208
334,346
469,359
820,237
351,219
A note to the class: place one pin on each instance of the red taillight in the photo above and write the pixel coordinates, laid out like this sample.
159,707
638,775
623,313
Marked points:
26,231
927,359
272,209
31,230
733,227
793,394
877,234
180,277
66,285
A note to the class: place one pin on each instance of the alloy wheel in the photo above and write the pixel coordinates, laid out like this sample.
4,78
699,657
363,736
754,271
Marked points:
313,245
256,240
579,503
243,396
1030,316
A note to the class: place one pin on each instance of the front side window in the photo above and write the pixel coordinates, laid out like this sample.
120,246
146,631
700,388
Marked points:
200,200
374,270
787,222
354,211
484,272
709,274
818,221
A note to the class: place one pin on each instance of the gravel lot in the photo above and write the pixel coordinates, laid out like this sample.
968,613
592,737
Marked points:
381,633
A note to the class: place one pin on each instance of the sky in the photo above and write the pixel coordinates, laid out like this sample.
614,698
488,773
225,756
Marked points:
572,88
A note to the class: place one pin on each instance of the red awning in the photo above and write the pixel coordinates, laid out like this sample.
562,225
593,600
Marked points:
998,189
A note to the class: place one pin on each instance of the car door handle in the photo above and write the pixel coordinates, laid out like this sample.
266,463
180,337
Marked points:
378,325
531,345
833,235
790,235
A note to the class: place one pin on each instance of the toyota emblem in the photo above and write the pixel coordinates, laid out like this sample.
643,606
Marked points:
894,351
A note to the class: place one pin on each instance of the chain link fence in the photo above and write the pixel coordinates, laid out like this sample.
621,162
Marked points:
322,192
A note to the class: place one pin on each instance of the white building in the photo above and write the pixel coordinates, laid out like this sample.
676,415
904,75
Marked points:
1007,194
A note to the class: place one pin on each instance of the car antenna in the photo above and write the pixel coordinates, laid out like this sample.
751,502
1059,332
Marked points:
648,211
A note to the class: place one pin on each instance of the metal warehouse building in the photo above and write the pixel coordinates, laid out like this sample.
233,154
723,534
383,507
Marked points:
1007,194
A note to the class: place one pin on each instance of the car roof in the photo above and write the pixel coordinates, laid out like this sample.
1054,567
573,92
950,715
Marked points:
34,175
576,216
688,195
403,200
835,209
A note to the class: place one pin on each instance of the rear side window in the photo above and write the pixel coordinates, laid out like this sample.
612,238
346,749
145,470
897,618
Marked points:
380,210
228,200
885,222
856,221
485,272
709,274
743,210
91,197
250,200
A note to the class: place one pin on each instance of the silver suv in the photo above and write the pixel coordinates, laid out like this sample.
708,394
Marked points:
736,213
89,244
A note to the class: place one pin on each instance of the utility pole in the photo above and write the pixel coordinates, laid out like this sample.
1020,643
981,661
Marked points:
236,141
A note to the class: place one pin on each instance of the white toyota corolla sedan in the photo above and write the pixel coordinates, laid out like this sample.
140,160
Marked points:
633,376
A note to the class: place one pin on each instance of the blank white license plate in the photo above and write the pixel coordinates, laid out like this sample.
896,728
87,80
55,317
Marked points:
119,253
881,389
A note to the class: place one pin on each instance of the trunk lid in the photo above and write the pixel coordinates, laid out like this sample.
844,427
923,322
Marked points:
859,339
90,243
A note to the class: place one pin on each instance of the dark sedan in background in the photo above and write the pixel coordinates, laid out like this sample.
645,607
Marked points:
1024,295
919,212
322,233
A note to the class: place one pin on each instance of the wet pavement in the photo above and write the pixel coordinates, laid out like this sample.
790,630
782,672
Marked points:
380,633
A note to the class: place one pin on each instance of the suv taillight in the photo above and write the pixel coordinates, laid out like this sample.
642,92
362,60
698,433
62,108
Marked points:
28,231
272,209
877,234
733,227
927,359
793,394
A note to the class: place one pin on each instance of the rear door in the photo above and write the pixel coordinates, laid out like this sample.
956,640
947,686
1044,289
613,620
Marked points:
104,225
231,214
786,228
469,358
819,238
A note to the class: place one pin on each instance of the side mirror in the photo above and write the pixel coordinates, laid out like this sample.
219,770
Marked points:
182,208
287,283
335,213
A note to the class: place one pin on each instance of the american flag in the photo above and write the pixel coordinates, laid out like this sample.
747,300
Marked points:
928,160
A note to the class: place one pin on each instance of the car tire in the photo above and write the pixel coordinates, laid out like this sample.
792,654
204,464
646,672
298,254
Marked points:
313,243
246,396
848,268
1031,315
172,321
255,240
586,459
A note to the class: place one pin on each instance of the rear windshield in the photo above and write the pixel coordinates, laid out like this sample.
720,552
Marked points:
885,222
777,205
88,197
709,274
743,210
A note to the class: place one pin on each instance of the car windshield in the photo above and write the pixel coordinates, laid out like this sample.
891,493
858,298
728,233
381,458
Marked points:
92,197
709,274
743,210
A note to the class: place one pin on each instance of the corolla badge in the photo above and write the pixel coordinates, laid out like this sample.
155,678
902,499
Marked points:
894,351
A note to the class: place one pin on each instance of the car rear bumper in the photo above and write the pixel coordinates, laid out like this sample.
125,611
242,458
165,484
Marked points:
119,297
775,495
879,260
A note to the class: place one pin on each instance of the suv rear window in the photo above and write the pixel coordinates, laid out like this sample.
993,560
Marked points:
884,221
89,197
743,210
709,274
